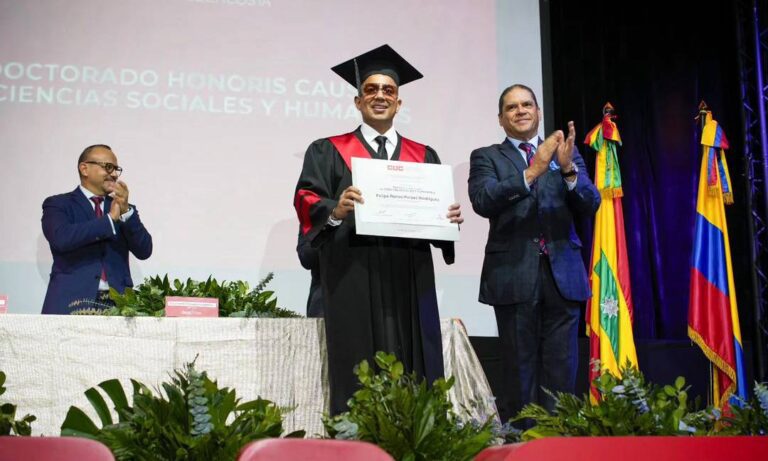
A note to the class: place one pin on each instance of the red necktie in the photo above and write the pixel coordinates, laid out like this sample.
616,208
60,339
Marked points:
529,151
97,200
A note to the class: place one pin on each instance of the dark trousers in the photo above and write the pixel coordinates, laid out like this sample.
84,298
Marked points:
539,347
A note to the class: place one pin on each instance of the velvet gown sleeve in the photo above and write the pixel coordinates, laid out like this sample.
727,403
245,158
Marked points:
316,191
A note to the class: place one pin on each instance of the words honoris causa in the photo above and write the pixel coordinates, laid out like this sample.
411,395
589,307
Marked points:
174,90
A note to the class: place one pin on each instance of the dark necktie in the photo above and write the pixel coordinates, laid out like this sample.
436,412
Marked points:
97,200
382,152
530,151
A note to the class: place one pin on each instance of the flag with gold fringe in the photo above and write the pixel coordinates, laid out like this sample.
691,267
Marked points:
713,318
609,310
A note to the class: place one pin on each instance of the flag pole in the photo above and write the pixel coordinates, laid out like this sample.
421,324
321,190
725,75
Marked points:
702,119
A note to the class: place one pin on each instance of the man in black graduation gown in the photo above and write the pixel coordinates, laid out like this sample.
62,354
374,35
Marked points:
379,292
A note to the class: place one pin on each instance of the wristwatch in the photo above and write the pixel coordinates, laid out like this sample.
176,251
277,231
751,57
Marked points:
333,222
574,171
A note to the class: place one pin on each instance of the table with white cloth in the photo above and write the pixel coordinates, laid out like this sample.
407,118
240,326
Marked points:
50,361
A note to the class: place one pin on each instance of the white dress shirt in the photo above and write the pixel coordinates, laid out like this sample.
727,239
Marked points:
370,135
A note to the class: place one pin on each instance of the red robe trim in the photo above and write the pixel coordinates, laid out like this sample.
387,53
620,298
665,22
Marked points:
350,146
303,202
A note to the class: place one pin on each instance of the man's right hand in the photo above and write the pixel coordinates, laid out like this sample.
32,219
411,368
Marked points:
347,202
543,157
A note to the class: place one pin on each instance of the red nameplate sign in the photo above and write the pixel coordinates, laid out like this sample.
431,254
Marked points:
3,304
179,306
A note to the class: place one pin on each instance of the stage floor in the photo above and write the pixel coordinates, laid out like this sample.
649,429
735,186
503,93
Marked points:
660,360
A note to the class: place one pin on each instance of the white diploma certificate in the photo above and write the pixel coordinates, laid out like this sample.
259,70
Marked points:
404,199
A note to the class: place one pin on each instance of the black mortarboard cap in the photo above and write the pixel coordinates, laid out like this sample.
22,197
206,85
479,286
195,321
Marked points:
381,60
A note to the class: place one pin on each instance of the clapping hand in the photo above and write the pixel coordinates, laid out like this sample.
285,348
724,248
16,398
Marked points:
119,196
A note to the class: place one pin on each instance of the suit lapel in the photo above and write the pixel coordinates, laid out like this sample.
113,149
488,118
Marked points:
87,207
83,203
516,156
508,150
107,204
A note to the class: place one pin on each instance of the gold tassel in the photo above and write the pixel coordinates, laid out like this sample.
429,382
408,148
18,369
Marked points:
611,193
728,196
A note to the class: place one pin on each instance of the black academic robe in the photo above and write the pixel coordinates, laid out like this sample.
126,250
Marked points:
379,292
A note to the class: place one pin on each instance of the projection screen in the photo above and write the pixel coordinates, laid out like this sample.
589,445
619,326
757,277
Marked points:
210,106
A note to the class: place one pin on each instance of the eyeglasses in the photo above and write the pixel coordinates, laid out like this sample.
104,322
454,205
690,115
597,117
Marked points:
371,90
108,167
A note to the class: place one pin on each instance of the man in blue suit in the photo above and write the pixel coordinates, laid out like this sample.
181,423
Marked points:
533,273
310,259
90,231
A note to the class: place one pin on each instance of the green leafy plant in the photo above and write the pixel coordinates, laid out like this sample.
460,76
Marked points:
745,417
628,406
405,417
192,419
236,299
8,421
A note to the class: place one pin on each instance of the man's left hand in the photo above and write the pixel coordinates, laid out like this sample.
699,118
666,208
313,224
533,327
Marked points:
454,213
565,149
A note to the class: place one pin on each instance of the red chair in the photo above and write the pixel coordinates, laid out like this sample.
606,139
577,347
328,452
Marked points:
53,448
632,449
312,450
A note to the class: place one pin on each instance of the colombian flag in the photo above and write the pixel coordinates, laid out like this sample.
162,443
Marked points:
609,311
713,318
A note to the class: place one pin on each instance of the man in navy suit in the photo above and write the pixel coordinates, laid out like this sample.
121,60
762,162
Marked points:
90,231
533,273
310,259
